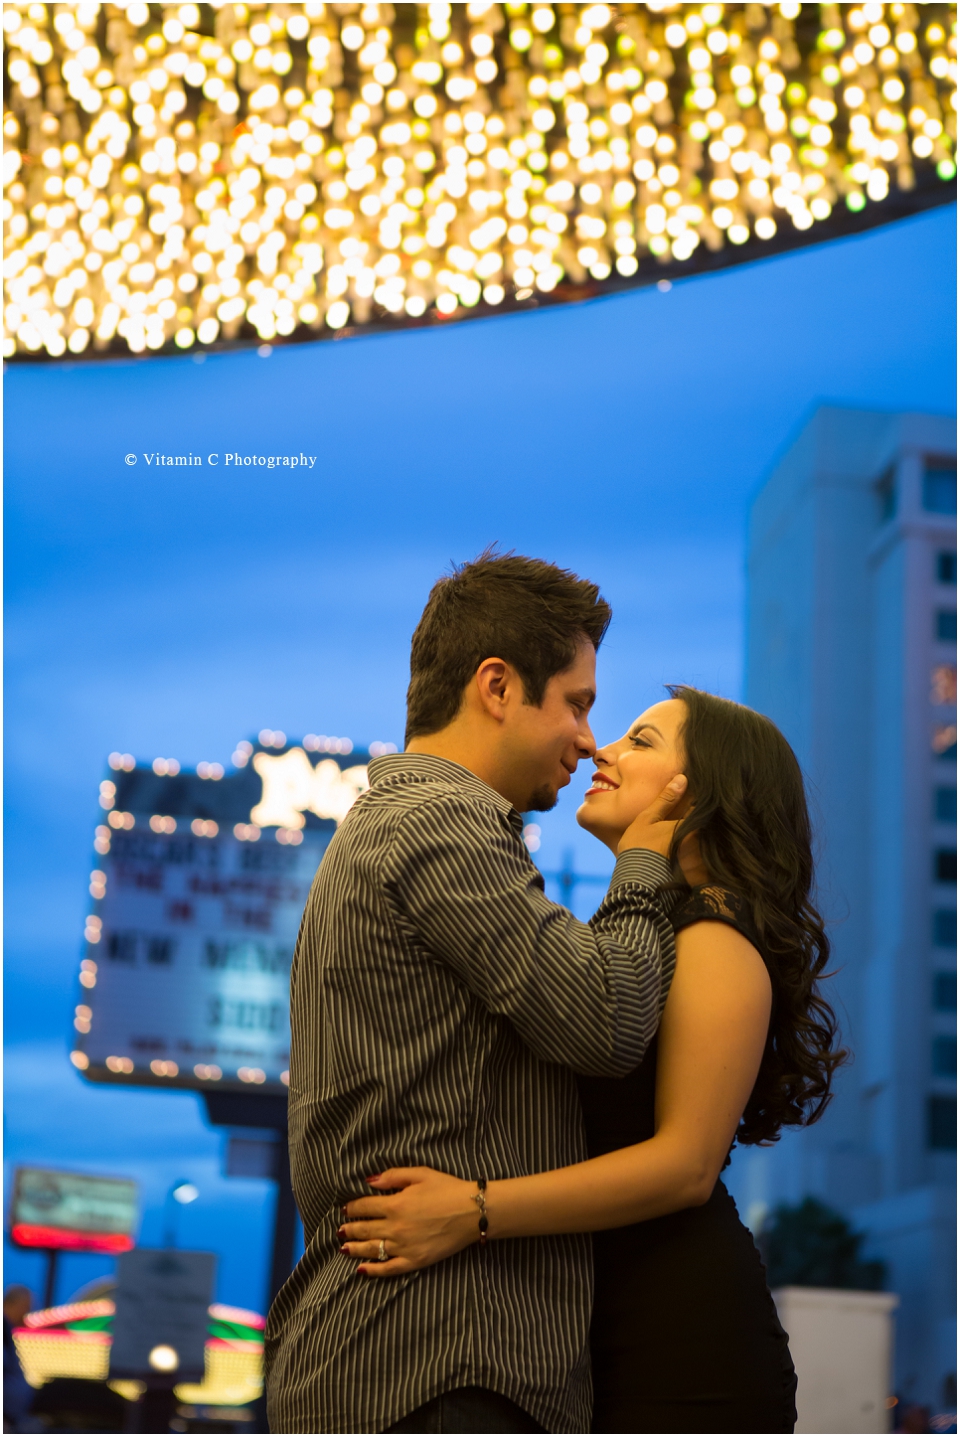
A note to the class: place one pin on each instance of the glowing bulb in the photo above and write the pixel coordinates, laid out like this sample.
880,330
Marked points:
164,1358
272,199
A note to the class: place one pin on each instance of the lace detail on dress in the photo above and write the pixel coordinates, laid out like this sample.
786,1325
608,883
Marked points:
719,904
724,903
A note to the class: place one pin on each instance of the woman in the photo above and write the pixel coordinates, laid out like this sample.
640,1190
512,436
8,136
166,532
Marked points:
685,1336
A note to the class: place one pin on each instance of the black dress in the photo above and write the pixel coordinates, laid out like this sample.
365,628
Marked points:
685,1335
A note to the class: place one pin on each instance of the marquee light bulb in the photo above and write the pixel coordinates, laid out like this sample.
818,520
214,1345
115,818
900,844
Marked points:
164,1358
188,178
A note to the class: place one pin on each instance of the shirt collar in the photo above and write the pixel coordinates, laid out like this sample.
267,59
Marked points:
421,767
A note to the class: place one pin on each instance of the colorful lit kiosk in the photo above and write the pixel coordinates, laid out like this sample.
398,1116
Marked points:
74,1341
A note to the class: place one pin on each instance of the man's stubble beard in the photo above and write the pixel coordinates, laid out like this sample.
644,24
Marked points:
542,800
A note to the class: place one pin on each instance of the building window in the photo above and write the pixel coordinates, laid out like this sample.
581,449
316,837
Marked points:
946,566
944,1056
945,928
945,626
945,804
940,486
942,1123
945,865
945,992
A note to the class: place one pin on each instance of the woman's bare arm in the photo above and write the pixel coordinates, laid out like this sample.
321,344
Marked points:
711,1041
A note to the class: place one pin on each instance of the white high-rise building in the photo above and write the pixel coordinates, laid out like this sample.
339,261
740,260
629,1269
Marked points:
851,650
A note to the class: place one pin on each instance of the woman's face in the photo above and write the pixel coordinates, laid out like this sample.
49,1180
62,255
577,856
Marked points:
631,772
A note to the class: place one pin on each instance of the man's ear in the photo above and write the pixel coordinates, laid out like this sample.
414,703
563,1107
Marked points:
491,680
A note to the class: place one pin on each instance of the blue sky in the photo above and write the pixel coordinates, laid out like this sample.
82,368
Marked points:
175,611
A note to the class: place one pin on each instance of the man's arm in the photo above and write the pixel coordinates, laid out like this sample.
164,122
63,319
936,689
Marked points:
585,995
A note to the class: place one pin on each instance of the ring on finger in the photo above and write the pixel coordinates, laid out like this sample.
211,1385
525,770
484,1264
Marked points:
382,1254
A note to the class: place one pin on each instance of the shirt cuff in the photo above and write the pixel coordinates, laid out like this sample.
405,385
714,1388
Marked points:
641,865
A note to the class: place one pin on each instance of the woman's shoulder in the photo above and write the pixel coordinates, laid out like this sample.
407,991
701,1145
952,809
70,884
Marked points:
714,903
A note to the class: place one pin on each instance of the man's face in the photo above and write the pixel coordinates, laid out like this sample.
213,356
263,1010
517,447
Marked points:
546,742
16,1305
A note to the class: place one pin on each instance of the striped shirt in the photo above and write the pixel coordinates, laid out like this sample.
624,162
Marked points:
440,1004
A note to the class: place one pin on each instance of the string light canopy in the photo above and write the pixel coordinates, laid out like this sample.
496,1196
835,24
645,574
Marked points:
194,175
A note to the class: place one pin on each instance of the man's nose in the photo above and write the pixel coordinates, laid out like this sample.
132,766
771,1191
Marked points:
586,742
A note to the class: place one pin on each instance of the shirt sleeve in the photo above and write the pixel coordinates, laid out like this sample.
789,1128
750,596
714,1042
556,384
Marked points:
587,995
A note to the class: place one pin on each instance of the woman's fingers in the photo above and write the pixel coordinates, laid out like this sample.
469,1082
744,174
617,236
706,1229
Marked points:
422,1217
394,1268
654,827
362,1251
366,1207
399,1177
361,1231
391,1181
370,1265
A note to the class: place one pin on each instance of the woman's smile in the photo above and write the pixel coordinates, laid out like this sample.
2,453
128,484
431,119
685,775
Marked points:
600,783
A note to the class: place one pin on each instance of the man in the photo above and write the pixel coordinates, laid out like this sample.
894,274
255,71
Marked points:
439,1002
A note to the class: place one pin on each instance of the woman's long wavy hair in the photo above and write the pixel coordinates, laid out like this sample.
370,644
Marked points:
750,813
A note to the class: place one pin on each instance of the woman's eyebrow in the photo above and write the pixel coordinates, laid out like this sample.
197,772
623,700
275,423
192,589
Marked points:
638,726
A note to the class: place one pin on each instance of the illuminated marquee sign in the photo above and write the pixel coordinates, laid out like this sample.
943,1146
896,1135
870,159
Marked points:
293,786
200,885
72,1211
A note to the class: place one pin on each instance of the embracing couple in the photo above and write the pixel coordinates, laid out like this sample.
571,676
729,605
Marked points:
507,1126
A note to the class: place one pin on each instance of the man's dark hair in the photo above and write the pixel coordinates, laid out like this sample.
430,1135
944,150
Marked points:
525,611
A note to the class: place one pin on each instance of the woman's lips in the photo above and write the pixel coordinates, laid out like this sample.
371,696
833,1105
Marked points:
599,784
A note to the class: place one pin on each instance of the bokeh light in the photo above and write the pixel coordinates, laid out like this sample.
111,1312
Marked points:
187,175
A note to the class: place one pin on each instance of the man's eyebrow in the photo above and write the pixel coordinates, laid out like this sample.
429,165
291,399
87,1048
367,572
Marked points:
587,695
